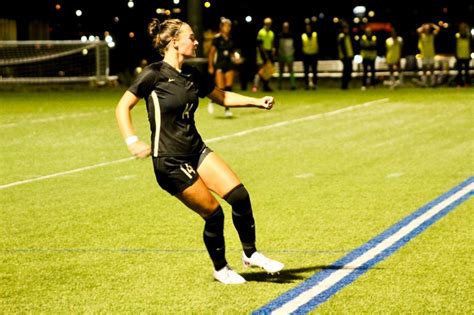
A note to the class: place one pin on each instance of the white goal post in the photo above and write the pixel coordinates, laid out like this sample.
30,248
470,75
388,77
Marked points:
54,62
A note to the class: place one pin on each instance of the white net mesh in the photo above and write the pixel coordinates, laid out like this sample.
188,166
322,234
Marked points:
53,61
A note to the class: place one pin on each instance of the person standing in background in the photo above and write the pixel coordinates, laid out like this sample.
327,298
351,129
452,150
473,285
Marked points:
426,45
394,45
346,54
220,61
265,53
286,55
463,55
310,47
368,51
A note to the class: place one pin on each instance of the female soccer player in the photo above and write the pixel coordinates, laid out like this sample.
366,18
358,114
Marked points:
220,61
184,166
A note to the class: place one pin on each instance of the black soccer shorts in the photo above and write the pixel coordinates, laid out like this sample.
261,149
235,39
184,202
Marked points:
176,173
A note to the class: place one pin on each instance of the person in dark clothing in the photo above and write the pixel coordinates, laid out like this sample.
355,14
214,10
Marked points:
184,166
346,54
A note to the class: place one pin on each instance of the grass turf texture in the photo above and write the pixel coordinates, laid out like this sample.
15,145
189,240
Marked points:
109,240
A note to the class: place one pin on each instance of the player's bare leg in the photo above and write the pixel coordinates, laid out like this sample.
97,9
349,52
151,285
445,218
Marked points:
198,198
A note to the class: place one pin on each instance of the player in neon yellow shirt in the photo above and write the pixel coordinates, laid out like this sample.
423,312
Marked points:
265,52
426,45
394,45
310,49
368,51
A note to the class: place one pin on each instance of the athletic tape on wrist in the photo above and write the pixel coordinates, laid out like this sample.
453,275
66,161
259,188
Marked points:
131,140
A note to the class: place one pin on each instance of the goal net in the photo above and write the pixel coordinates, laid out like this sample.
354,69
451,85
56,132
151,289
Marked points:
54,62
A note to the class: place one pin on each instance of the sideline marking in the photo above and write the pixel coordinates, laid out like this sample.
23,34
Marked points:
85,168
216,139
56,118
321,286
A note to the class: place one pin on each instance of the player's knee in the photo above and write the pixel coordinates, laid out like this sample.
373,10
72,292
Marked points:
214,223
239,199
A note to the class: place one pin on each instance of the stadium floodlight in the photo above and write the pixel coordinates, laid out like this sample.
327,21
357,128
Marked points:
359,10
248,19
54,61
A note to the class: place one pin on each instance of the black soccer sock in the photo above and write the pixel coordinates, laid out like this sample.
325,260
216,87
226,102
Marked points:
242,217
213,236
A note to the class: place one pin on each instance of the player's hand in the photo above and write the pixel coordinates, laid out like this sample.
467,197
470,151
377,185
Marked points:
267,102
210,69
140,149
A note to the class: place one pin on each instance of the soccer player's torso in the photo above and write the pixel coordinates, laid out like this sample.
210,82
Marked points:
171,107
224,48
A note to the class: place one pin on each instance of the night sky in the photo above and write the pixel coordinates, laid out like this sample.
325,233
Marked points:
100,16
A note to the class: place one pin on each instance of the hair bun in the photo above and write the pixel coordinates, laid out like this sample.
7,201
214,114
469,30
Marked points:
154,27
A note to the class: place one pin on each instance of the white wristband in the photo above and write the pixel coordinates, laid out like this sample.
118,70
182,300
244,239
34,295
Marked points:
131,140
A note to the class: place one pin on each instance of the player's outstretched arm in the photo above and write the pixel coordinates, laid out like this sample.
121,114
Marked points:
232,99
122,113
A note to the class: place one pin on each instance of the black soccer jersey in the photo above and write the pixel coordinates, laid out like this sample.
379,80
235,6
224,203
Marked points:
172,98
224,48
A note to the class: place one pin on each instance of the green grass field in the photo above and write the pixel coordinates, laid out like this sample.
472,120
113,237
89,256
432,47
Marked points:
108,240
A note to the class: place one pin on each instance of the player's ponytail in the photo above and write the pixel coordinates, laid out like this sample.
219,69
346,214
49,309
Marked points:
163,32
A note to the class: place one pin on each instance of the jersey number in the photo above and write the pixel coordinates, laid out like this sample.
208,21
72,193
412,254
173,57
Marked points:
187,110
187,169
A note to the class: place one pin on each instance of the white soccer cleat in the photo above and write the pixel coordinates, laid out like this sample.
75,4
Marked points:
259,260
228,113
228,276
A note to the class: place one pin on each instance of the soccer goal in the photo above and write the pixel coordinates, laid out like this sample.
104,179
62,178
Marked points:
54,62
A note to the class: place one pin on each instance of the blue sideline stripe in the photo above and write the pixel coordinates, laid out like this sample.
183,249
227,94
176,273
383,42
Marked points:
323,296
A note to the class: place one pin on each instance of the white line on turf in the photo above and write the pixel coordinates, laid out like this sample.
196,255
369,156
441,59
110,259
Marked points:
55,118
297,120
216,139
359,261
85,168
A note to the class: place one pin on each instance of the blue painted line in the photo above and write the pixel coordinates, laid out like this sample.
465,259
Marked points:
318,277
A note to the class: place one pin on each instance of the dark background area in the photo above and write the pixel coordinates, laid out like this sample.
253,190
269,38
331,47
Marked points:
98,17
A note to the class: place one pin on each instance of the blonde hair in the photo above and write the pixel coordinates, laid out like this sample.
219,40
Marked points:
225,21
163,32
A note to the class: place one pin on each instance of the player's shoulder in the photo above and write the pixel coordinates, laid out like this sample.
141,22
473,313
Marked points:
155,66
189,69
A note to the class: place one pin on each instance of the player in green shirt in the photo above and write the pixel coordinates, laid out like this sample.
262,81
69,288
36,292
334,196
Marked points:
265,54
394,45
426,45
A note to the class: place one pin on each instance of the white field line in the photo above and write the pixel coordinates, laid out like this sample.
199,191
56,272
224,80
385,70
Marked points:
340,274
297,120
216,139
85,168
55,118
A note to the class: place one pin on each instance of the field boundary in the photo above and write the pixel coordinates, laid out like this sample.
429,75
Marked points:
321,286
54,118
216,139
